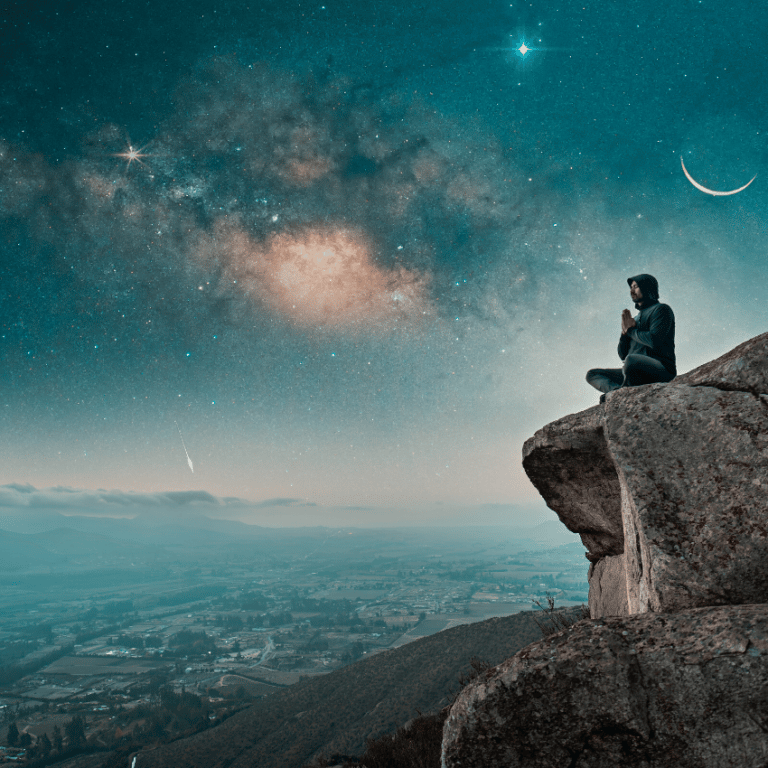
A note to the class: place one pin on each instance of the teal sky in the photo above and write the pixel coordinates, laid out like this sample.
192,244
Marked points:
354,254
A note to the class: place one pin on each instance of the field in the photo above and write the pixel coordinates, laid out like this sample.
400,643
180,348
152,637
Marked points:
100,666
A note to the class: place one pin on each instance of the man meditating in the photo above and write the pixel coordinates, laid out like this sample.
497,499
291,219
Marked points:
647,343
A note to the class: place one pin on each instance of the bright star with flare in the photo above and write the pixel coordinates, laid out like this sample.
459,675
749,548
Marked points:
520,47
133,155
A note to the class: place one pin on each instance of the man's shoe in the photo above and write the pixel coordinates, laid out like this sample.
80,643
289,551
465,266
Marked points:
605,394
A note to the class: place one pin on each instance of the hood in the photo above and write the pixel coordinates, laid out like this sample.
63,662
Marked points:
649,286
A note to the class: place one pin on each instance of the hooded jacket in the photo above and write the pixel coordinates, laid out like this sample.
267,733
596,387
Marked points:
654,334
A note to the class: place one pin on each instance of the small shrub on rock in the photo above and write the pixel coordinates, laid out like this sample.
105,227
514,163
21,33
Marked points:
557,619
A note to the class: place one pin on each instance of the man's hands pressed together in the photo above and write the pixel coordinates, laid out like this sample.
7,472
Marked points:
627,321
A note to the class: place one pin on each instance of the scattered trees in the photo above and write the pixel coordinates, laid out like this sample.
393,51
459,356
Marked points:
75,730
45,745
189,643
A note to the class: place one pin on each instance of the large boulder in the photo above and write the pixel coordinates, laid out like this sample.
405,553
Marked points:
692,464
667,484
684,690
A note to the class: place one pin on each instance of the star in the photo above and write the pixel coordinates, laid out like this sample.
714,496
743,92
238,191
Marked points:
523,49
132,155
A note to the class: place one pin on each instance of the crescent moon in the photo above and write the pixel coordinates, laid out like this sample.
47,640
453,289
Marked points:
712,191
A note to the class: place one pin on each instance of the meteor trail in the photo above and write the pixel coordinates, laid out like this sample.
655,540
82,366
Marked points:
189,461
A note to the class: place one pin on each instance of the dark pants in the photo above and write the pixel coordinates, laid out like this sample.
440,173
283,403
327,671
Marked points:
637,370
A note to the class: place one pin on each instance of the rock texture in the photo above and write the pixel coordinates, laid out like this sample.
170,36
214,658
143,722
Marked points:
608,587
743,369
692,464
674,478
684,690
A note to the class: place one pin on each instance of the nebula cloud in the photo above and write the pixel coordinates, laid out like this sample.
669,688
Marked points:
318,276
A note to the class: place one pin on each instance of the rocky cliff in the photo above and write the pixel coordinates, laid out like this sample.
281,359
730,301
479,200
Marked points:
667,484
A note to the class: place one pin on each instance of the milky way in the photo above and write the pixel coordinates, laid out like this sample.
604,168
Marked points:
414,205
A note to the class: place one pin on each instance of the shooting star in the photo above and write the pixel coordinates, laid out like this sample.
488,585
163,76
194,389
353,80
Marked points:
189,461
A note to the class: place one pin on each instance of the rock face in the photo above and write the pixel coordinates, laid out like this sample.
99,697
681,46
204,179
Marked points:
683,690
608,587
667,484
693,469
674,479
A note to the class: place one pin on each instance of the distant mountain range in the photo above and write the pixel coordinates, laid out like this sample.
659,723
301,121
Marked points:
50,541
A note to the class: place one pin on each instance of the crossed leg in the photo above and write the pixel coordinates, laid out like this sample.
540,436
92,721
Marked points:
637,370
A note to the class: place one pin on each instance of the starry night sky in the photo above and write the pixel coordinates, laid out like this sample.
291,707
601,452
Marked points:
355,253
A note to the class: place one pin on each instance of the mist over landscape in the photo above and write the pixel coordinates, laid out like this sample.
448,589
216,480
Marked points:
166,624
284,288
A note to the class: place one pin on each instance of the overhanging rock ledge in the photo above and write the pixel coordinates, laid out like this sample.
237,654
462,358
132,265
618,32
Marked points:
667,485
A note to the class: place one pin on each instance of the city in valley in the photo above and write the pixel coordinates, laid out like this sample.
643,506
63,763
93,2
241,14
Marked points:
117,631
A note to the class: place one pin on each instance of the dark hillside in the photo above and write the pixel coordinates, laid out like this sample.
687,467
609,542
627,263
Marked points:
336,713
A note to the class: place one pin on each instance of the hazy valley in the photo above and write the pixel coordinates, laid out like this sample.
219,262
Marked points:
120,632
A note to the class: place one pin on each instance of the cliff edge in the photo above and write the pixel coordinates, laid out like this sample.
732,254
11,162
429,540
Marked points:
667,485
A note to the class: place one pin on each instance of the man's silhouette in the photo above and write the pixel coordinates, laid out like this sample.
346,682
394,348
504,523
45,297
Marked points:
647,343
